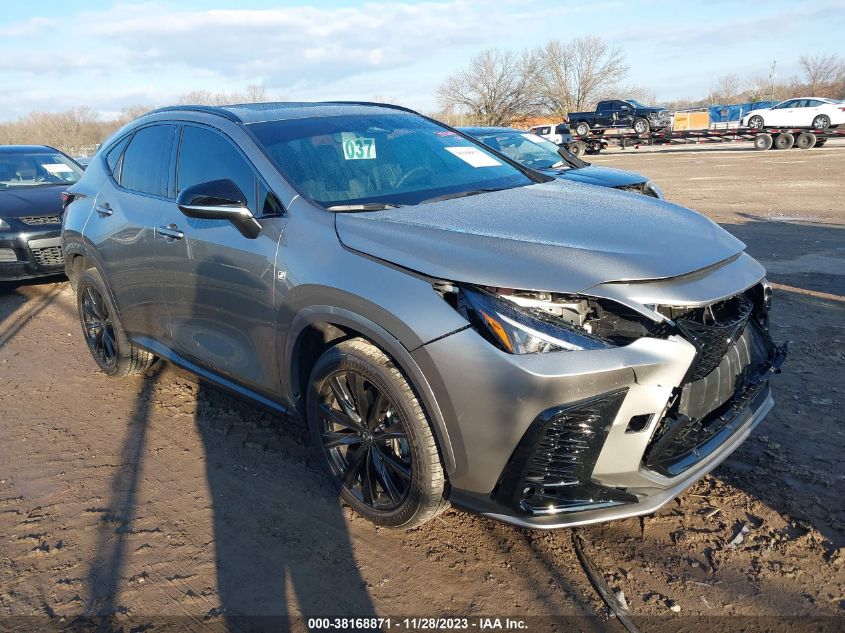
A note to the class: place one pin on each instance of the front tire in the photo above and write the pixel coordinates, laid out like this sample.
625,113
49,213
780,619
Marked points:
103,333
756,122
641,126
373,436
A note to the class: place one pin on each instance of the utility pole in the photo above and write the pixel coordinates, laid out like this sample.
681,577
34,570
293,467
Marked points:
772,77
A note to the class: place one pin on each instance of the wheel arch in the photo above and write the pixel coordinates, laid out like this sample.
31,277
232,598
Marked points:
317,327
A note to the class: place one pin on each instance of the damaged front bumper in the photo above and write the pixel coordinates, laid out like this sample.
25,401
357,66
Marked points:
570,438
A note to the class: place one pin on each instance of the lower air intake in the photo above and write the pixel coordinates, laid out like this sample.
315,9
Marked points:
550,469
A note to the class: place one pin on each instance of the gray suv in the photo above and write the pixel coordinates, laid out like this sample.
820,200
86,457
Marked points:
454,327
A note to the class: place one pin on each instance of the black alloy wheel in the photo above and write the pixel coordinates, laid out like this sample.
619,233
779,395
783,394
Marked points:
98,327
365,441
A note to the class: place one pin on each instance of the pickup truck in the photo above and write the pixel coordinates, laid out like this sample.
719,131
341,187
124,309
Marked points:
615,113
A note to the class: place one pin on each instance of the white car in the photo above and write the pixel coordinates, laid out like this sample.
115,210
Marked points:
558,134
817,113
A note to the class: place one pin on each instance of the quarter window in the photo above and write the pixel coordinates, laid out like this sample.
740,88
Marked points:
113,157
146,163
205,156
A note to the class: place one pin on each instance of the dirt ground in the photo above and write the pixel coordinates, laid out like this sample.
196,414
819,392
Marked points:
165,503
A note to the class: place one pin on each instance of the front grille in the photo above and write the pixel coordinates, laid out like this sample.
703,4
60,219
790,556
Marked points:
41,220
713,330
50,256
550,469
705,408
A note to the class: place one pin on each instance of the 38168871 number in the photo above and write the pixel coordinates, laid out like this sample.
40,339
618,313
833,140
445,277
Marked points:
349,624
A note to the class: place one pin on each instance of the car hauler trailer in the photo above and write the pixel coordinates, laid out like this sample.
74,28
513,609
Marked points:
763,139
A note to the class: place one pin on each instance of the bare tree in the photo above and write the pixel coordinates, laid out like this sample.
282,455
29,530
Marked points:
820,71
495,87
573,76
252,94
726,90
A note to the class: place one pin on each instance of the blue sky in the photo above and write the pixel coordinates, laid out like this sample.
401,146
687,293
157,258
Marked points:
110,55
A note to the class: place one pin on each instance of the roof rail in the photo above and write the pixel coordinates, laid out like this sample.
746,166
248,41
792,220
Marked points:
199,108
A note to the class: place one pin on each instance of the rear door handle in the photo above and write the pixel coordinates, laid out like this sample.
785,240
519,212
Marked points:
170,231
104,210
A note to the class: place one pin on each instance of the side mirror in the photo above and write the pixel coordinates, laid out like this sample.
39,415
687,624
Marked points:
219,200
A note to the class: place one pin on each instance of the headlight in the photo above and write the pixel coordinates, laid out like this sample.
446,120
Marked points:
521,325
3,224
656,191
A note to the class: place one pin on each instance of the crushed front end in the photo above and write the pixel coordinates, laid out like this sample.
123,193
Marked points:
589,408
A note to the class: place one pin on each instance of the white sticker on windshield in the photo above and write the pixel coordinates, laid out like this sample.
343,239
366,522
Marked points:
474,156
533,138
56,168
357,147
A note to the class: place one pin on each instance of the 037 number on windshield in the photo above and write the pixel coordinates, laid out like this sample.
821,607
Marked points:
358,148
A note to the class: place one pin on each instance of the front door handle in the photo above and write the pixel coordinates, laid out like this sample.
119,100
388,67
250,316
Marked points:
171,231
104,210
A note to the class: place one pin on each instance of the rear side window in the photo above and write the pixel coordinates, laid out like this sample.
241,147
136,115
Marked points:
113,157
146,162
205,156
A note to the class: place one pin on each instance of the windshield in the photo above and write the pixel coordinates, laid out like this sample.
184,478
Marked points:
527,149
36,169
637,104
396,159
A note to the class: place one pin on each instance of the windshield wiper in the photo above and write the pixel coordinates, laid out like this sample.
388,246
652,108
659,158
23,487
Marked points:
460,194
364,206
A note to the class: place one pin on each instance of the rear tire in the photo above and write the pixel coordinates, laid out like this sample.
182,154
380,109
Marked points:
373,437
805,140
821,122
763,142
756,122
103,333
784,141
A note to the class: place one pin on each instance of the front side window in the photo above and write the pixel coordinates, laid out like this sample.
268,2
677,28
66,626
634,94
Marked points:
205,156
395,159
37,169
146,162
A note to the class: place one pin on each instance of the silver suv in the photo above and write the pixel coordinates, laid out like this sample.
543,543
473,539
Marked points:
454,327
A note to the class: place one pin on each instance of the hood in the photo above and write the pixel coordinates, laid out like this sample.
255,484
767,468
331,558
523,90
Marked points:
594,175
559,236
20,201
655,109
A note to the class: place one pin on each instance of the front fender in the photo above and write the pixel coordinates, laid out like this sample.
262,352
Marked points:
344,318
